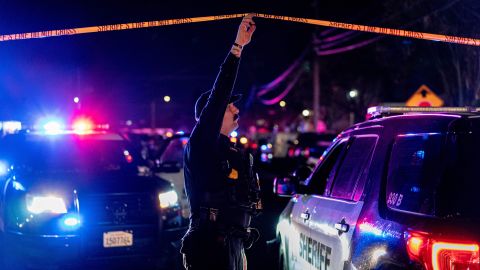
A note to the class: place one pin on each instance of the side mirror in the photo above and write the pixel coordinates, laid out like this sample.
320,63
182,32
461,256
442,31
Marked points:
284,187
302,173
169,167
293,184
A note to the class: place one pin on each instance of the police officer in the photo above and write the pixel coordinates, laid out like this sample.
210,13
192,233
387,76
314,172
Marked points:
221,186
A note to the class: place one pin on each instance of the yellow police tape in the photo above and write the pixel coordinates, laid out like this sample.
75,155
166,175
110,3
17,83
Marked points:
148,24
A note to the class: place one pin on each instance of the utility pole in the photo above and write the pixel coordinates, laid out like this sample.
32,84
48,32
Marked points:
316,91
153,114
316,77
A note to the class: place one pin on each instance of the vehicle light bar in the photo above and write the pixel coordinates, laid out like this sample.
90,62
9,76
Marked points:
83,126
381,110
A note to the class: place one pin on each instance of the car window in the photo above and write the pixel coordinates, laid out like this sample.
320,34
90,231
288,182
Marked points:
351,169
174,151
458,190
325,170
414,171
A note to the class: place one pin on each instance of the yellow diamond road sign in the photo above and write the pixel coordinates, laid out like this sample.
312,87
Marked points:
424,97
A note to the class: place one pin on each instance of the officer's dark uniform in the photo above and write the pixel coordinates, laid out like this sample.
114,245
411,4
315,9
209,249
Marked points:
220,183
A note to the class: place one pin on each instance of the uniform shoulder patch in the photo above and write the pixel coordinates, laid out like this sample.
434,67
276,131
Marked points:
233,174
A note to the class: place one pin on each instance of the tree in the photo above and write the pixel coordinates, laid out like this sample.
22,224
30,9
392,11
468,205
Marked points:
453,67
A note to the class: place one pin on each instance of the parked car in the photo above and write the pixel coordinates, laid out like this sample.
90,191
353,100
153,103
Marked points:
75,199
398,191
162,156
169,166
308,147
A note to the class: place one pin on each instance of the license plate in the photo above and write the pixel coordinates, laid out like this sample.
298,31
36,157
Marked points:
117,239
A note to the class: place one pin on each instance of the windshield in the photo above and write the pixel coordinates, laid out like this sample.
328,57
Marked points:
174,151
66,154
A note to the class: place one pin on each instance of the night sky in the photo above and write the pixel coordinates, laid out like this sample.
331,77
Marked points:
118,74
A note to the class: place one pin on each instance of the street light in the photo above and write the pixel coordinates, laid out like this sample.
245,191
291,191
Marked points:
166,99
76,100
353,93
282,104
353,100
243,140
306,113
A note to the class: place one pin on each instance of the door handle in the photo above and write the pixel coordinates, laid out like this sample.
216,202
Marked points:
305,215
342,226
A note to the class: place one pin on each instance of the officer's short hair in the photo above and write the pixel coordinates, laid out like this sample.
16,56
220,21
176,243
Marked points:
202,101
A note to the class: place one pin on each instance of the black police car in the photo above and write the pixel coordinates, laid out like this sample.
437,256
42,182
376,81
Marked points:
398,191
69,199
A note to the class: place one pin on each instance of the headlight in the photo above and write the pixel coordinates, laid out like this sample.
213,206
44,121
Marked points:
168,199
3,168
46,204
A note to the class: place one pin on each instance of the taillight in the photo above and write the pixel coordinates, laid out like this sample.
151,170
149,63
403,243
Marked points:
306,152
442,254
455,256
129,159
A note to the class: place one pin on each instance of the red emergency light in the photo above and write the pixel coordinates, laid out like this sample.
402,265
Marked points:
82,126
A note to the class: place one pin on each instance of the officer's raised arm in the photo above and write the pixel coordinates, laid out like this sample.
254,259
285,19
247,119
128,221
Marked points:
210,107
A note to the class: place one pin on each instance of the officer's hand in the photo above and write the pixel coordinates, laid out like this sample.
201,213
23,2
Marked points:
245,30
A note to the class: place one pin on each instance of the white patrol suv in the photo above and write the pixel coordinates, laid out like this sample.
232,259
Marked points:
398,191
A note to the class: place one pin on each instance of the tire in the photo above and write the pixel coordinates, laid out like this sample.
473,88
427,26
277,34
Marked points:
281,262
273,252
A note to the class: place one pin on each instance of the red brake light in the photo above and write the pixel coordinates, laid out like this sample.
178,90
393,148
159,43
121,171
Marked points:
306,152
435,254
450,256
128,157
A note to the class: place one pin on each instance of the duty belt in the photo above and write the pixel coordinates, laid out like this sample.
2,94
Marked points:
209,214
210,217
221,217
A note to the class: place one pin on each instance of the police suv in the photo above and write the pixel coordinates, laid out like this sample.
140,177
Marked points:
398,191
72,198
